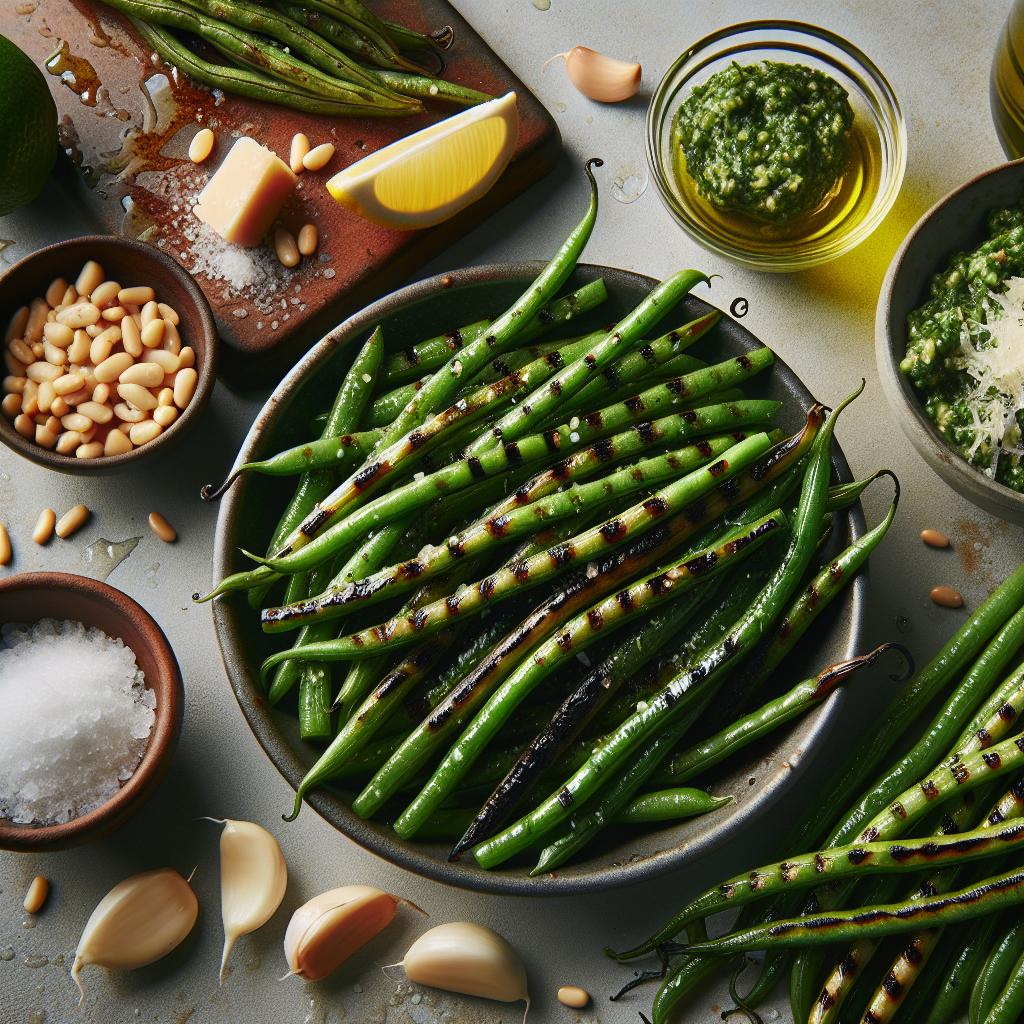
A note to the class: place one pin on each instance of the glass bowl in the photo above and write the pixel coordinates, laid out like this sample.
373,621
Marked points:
860,200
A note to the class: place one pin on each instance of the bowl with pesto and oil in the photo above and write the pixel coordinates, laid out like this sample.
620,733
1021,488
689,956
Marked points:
776,144
950,339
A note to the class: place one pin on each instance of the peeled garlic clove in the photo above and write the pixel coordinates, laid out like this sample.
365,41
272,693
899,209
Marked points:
253,878
602,78
327,930
467,958
140,920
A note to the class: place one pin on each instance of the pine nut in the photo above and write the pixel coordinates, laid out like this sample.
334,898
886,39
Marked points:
299,149
81,314
37,350
30,398
25,425
153,332
77,397
76,421
184,386
15,385
70,297
187,357
54,354
201,145
150,312
55,292
96,412
105,294
5,546
68,442
58,407
137,295
45,397
149,375
90,450
318,156
116,443
37,318
168,313
43,530
78,351
137,395
45,438
165,398
165,415
58,334
43,371
21,351
52,424
112,367
95,330
285,248
113,314
90,277
144,432
101,394
167,361
72,520
103,344
131,337
172,339
946,597
11,405
573,996
124,412
15,367
17,324
935,539
309,238
36,895
162,528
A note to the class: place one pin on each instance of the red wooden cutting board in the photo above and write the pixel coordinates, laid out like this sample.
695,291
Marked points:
126,119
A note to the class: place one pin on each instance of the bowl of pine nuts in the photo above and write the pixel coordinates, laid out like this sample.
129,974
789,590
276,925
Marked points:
109,354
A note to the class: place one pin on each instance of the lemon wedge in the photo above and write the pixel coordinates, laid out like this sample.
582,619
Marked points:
431,175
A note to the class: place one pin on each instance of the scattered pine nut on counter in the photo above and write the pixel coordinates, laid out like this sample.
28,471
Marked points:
72,521
934,539
38,890
201,145
5,546
318,156
308,239
299,149
87,362
162,528
285,248
573,996
43,530
946,597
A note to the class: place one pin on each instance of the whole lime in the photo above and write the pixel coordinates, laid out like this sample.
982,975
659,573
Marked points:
28,128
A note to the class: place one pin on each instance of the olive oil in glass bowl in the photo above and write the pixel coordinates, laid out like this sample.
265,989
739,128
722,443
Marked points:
859,200
1006,84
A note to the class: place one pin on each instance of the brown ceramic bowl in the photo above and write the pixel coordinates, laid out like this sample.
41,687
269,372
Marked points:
36,595
131,263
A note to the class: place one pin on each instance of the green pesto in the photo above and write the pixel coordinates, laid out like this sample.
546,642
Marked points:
960,300
768,140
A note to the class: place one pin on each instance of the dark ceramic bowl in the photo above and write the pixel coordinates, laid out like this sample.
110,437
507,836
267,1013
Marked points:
37,595
954,224
251,507
131,263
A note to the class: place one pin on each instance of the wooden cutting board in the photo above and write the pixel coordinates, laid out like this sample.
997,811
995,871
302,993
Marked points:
126,119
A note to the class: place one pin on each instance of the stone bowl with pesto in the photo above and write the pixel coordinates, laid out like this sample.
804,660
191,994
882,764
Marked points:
949,339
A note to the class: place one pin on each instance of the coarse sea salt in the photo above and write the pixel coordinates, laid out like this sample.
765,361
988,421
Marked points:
75,718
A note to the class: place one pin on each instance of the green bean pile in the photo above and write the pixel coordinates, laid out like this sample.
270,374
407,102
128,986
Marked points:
516,561
954,796
333,57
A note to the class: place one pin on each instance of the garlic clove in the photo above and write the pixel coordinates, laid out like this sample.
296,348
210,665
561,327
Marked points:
253,879
467,958
327,930
140,920
600,77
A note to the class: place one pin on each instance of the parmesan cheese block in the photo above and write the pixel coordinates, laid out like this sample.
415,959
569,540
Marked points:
246,193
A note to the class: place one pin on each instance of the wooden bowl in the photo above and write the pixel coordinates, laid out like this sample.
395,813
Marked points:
131,263
29,597
250,508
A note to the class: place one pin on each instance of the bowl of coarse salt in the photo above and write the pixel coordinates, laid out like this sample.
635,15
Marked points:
91,701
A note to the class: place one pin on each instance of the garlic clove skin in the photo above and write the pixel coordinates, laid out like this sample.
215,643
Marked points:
600,77
139,921
467,958
253,879
327,930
